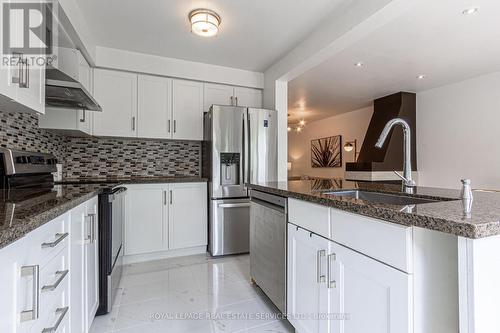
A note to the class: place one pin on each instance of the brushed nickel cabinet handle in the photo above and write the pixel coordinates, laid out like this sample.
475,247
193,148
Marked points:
133,123
331,283
175,126
171,196
320,276
34,313
82,119
232,101
51,287
60,238
164,198
169,126
62,313
236,99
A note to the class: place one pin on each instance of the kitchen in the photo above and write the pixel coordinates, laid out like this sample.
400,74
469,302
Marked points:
138,171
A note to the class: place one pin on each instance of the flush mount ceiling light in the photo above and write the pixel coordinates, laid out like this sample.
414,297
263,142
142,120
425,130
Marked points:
204,22
421,77
359,64
470,11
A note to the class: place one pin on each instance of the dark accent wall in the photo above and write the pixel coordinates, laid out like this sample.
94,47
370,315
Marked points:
390,157
102,157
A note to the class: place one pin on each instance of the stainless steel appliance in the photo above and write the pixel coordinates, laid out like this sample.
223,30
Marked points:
268,218
111,224
62,87
240,146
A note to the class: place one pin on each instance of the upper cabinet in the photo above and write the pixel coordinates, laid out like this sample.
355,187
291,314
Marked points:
228,95
70,121
22,85
217,94
187,110
248,97
117,94
154,111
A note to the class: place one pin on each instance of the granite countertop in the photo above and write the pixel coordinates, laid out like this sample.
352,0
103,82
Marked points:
23,210
133,180
447,216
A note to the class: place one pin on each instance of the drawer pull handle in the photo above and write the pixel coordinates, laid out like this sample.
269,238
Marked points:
331,283
321,277
60,238
235,205
33,271
62,313
62,275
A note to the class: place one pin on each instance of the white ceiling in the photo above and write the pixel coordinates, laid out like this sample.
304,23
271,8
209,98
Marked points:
432,38
253,35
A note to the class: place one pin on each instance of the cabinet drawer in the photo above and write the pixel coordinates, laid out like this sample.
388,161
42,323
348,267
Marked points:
54,283
47,240
315,218
383,241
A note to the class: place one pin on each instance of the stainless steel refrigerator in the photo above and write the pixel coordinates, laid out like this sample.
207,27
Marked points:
240,147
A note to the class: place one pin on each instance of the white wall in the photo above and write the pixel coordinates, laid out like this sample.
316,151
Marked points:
351,125
458,133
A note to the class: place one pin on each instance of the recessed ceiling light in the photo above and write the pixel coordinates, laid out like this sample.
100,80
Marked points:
289,129
470,11
421,77
302,122
359,64
204,22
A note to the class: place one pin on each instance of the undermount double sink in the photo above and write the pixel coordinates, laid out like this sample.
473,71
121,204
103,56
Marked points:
383,198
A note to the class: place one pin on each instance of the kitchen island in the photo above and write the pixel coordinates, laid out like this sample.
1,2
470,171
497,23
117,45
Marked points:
379,267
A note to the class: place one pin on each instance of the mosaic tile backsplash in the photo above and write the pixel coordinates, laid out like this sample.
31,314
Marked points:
102,157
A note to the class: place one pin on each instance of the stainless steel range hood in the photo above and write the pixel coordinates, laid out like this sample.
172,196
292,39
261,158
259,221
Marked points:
63,91
63,88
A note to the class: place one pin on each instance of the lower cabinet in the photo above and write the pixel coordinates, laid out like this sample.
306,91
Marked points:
332,288
165,217
84,261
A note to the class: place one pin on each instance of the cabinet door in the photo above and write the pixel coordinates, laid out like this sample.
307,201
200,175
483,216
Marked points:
374,297
84,122
77,234
117,95
91,263
154,107
187,222
217,94
306,280
145,230
187,110
248,97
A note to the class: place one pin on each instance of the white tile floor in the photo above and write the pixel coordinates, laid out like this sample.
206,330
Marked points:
171,295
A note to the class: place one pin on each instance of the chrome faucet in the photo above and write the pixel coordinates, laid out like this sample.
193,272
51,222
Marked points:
406,177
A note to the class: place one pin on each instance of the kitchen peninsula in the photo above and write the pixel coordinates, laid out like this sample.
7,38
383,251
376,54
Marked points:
421,267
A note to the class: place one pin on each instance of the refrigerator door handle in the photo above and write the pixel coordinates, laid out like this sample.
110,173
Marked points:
247,148
243,142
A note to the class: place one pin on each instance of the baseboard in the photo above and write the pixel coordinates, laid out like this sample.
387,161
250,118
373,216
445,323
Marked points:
136,258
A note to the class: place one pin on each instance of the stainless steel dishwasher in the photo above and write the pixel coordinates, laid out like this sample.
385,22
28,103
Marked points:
268,218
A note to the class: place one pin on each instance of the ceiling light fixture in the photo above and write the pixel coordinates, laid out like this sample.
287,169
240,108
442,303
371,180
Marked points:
302,123
470,11
289,129
421,77
359,64
204,22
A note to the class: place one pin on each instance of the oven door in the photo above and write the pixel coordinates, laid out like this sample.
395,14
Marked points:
117,201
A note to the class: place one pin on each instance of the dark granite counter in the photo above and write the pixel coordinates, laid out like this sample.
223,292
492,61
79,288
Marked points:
447,216
23,210
133,180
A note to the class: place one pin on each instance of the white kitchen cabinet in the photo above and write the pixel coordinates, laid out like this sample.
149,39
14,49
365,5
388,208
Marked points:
230,95
84,261
306,286
219,94
22,86
360,293
117,94
161,217
248,97
374,297
71,121
154,112
91,263
187,225
187,110
146,212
